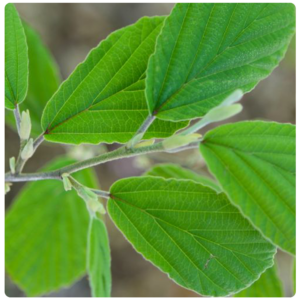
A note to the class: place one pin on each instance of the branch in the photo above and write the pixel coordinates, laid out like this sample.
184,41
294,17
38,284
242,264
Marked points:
121,152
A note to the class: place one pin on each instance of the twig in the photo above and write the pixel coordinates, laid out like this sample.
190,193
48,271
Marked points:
121,152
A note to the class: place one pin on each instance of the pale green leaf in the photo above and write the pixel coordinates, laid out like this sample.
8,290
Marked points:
16,58
268,285
44,80
103,99
46,235
206,51
190,232
99,259
254,163
175,171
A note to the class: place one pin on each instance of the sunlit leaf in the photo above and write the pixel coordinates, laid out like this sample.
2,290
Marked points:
16,58
103,99
208,50
191,233
254,163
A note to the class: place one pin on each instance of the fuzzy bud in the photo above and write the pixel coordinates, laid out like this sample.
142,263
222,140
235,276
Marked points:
27,151
25,125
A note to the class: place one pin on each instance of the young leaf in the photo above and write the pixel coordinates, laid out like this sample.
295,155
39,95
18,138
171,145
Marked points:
44,80
99,259
254,163
205,51
16,58
190,232
103,100
175,171
268,285
45,235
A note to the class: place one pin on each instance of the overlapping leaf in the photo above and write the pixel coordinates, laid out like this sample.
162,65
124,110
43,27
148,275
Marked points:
99,259
175,171
190,232
268,285
46,235
16,58
103,100
254,163
206,51
44,80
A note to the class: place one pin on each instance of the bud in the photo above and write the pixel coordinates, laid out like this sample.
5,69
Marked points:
66,181
27,151
91,200
221,113
134,140
177,141
25,125
12,165
232,98
7,187
145,143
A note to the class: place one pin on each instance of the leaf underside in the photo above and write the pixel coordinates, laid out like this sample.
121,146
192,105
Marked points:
99,259
190,232
207,50
16,58
46,235
103,99
254,163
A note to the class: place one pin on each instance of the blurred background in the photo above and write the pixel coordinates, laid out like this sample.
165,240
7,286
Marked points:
70,31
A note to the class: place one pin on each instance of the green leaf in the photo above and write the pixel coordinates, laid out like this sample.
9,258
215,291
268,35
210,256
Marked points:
16,58
190,232
44,80
254,163
206,51
103,99
174,171
99,259
268,285
46,235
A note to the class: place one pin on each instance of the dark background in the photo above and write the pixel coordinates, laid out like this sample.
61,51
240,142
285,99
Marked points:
70,31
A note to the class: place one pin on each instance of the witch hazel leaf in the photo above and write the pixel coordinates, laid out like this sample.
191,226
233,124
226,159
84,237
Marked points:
46,232
16,58
207,50
190,232
255,164
98,262
103,99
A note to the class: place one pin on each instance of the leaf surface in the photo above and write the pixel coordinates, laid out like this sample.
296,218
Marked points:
103,99
16,58
206,51
44,80
254,163
99,259
46,235
268,285
175,171
191,233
